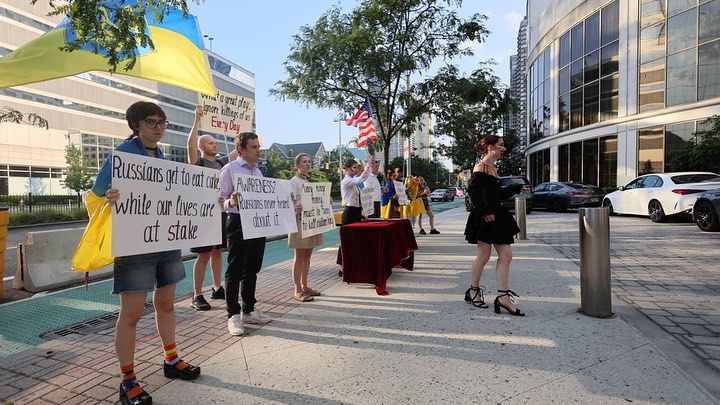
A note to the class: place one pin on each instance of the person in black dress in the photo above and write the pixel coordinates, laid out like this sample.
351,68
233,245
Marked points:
490,224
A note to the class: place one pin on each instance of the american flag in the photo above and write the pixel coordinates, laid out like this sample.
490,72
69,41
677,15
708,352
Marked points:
362,119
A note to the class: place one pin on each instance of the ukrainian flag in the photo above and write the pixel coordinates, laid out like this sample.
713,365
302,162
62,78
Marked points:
93,251
178,59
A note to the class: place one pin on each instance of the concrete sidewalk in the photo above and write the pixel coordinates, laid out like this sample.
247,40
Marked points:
421,344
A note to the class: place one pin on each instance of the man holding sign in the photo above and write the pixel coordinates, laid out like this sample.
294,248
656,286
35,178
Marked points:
245,256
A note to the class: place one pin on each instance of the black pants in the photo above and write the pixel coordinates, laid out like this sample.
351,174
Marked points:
350,215
376,214
245,257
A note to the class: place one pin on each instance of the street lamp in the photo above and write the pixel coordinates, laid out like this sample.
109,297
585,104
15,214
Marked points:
339,120
209,39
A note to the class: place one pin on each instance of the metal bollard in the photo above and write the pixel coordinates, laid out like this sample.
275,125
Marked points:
595,297
520,213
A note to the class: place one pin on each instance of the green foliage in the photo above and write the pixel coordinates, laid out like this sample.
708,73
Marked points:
9,114
78,174
273,163
474,108
332,174
285,174
372,51
435,174
120,37
703,156
47,216
514,160
317,176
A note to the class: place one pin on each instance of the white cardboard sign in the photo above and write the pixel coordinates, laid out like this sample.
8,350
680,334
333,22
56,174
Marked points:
401,193
317,214
265,206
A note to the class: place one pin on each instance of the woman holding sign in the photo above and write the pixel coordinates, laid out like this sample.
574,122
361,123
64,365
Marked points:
303,245
134,276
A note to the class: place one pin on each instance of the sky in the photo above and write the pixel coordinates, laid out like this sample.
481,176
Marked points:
257,36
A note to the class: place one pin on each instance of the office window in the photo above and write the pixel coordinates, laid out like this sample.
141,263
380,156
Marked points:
650,150
709,70
681,78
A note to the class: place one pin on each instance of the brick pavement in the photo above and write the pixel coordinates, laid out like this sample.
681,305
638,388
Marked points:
669,272
83,369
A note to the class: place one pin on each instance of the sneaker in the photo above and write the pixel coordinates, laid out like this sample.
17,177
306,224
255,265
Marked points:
255,317
422,232
218,294
235,325
200,304
434,232
181,370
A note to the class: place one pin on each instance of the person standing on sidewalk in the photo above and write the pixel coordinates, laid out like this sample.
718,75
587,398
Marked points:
213,254
350,192
388,201
490,224
134,276
245,256
372,181
423,194
303,246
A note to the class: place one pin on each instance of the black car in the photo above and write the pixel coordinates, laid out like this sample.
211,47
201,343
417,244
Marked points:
706,211
559,196
528,191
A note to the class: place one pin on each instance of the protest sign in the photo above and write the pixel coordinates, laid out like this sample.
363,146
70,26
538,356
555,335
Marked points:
227,113
317,214
265,206
401,193
366,201
163,205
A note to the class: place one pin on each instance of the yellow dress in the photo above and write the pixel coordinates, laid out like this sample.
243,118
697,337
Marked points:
415,205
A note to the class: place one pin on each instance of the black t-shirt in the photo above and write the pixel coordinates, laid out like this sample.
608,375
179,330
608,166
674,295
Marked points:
216,163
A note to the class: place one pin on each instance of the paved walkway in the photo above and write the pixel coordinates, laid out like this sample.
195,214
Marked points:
421,344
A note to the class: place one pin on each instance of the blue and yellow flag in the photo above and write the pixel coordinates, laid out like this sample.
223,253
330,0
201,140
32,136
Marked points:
178,59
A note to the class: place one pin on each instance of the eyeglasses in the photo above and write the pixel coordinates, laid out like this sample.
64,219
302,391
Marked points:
152,124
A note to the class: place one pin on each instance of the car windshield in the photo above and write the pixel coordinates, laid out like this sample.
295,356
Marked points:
696,178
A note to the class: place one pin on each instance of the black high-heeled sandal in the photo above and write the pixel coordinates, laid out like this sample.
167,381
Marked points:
477,299
498,304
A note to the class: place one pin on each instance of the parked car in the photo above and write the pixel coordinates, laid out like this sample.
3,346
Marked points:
559,196
458,192
528,191
706,211
660,195
442,194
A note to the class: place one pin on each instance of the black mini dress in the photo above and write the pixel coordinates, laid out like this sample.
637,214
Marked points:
487,195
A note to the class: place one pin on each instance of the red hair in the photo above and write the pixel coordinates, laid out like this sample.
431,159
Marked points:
483,145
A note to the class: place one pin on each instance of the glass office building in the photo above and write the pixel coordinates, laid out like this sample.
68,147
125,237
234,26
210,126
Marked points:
615,87
88,110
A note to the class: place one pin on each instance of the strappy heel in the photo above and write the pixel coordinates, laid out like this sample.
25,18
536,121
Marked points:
474,295
498,304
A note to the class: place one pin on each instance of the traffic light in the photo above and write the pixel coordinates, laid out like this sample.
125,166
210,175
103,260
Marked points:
327,166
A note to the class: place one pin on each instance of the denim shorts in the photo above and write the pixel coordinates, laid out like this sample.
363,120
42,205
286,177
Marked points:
148,271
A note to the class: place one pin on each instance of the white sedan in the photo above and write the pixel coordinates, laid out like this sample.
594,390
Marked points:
660,195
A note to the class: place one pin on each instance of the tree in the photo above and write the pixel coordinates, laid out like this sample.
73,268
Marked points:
703,156
78,174
372,53
474,107
272,163
435,174
333,169
8,114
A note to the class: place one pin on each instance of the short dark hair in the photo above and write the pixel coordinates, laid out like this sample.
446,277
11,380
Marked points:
139,111
350,162
242,139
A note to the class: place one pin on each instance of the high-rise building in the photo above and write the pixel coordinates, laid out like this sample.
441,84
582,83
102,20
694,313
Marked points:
88,110
518,84
615,87
421,141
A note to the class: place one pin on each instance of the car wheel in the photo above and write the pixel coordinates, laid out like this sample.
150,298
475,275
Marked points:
432,199
705,217
608,204
452,198
558,206
656,212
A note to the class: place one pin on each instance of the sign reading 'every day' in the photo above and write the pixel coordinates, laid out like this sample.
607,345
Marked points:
265,206
227,113
317,214
163,205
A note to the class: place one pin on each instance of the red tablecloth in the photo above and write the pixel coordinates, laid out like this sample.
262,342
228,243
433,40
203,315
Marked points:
370,249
